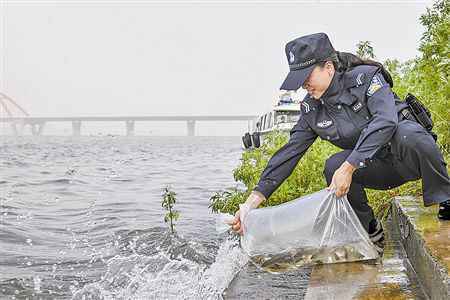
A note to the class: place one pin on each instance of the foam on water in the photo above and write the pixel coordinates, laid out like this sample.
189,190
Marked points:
161,277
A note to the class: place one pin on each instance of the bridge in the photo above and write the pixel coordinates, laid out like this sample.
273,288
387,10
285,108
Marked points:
37,124
18,118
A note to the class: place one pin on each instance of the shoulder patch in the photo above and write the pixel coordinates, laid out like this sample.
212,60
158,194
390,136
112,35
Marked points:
375,85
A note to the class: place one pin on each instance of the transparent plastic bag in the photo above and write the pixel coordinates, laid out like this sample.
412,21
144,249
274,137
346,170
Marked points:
222,220
317,228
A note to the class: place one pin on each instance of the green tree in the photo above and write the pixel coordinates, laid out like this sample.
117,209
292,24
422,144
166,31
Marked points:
427,76
365,50
433,68
168,203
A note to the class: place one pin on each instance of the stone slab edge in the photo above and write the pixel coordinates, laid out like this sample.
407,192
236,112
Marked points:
432,275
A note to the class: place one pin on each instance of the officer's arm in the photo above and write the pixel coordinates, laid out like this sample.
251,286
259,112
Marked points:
381,104
283,162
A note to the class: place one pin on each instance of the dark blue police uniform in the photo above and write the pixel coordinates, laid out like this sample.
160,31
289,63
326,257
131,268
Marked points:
360,114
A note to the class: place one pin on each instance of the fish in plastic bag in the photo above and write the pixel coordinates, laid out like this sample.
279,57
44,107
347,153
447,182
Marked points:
319,228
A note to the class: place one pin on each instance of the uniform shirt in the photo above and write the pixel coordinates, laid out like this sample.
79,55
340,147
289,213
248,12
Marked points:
357,112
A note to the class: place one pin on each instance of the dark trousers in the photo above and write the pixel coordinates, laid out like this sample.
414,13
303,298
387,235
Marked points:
411,154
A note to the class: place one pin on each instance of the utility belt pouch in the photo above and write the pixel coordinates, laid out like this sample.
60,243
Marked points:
416,111
419,111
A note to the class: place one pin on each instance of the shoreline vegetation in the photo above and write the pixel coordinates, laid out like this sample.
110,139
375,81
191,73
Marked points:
168,203
426,76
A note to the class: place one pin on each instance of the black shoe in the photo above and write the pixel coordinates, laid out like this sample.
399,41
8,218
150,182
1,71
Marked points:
376,235
444,210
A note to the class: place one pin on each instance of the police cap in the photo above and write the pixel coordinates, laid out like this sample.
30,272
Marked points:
302,55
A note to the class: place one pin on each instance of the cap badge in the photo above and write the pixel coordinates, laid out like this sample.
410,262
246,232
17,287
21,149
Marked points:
291,57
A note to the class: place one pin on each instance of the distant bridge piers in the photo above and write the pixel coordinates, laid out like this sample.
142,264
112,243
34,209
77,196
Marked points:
191,127
17,127
37,124
76,128
130,127
14,129
37,128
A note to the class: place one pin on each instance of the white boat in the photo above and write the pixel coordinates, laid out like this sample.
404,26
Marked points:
283,117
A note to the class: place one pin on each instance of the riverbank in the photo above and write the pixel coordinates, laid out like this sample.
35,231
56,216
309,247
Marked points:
392,277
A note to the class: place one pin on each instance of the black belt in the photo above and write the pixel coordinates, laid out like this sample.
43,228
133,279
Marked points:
405,114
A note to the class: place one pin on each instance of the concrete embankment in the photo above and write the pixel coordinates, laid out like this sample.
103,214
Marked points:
415,265
426,241
392,277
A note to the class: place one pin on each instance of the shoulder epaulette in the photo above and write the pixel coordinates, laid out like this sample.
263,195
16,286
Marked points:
359,76
305,104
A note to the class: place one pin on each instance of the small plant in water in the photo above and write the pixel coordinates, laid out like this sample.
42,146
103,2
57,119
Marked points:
168,203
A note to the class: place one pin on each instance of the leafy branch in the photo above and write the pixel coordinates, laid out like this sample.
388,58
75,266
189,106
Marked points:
168,203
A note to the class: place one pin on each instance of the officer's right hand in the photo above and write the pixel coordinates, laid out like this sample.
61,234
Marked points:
236,222
253,201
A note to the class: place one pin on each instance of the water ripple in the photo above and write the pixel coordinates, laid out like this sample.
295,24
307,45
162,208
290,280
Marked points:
82,217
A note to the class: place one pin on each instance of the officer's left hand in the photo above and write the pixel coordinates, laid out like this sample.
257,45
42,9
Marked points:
342,178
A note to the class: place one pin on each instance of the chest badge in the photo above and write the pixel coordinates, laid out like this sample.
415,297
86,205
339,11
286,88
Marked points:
324,124
357,107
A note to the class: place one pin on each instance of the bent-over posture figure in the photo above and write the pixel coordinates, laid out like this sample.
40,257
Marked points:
355,109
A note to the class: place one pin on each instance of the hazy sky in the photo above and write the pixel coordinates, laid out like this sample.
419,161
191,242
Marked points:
146,58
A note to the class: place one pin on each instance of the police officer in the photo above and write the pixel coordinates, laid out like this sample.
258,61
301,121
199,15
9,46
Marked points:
355,110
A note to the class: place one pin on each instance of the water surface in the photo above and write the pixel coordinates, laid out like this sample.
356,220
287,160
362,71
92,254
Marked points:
82,218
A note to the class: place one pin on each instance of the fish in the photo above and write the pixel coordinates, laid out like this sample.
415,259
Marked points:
299,257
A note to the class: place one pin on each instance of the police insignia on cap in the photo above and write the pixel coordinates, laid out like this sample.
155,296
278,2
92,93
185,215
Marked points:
375,85
291,57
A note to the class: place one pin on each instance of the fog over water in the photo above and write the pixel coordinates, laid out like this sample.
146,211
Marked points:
71,58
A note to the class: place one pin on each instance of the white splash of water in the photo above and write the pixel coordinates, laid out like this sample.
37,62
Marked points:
37,284
159,277
229,260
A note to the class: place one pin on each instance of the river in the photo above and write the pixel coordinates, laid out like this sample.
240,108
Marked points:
81,218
